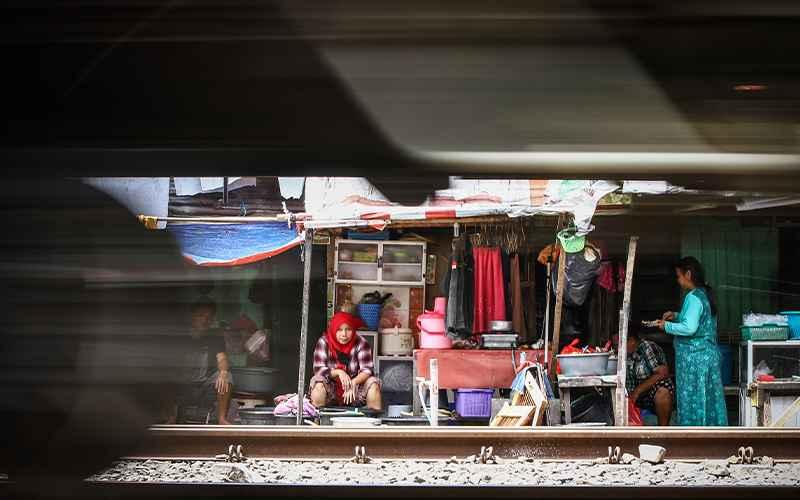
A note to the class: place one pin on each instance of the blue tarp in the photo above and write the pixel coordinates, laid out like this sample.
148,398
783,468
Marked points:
234,244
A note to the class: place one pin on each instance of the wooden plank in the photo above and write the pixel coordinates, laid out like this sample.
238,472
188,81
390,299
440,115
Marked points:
301,372
594,381
621,410
562,264
787,414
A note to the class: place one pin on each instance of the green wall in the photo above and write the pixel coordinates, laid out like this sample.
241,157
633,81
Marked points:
741,264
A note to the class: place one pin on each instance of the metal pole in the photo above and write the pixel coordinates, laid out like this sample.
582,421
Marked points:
434,373
301,372
224,191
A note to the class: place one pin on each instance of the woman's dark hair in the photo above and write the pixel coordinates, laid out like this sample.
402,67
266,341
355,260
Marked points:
698,274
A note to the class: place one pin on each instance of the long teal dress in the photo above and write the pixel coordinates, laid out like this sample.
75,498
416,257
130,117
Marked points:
701,398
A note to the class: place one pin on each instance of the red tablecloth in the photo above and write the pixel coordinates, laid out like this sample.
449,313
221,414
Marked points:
472,368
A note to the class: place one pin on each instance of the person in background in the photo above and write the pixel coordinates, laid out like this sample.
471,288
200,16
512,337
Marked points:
208,379
648,381
343,367
701,397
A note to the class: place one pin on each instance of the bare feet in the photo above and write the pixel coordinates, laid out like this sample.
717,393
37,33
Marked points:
224,421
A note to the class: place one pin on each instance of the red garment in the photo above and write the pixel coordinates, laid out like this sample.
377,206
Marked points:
341,352
490,299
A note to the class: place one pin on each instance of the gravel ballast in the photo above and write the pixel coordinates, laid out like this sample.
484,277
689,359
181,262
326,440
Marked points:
512,472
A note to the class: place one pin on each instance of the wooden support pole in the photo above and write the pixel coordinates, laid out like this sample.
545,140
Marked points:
562,266
301,373
621,407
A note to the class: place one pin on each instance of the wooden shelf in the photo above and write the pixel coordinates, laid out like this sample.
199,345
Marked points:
348,263
396,358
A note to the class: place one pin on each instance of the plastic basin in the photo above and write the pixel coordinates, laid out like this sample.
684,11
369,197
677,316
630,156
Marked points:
794,324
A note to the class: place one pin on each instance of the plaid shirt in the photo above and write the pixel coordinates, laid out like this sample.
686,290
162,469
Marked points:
643,362
360,358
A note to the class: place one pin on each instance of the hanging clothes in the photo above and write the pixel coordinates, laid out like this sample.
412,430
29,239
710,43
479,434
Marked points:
531,306
505,258
608,270
490,300
458,287
517,304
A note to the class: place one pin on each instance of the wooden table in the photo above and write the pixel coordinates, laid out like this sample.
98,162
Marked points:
777,403
566,384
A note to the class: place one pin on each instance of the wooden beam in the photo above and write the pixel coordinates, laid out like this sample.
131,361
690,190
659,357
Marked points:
301,373
562,265
621,408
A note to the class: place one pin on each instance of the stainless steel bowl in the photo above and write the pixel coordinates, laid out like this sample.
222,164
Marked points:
580,365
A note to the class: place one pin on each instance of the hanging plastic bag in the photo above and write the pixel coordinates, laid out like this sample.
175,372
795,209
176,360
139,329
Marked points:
258,346
580,270
572,348
634,414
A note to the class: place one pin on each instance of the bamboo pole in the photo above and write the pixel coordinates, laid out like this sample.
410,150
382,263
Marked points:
621,407
301,372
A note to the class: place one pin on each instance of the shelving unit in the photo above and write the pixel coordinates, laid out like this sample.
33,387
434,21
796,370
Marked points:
747,360
398,267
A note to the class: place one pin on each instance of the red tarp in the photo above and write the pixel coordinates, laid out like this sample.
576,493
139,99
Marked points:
473,368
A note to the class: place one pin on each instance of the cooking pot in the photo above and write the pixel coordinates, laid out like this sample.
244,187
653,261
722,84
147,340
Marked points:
264,415
256,380
397,341
396,411
431,322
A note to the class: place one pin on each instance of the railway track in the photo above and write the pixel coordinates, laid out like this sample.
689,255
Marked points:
426,443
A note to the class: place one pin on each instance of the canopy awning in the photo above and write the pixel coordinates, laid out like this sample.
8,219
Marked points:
346,199
234,244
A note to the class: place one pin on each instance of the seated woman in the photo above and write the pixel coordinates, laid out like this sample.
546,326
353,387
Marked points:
343,367
647,379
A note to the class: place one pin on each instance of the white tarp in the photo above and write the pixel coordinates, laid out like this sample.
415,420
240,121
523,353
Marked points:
352,198
140,195
291,187
650,187
190,186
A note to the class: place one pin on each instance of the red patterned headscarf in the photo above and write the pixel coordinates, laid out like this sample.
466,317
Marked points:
337,350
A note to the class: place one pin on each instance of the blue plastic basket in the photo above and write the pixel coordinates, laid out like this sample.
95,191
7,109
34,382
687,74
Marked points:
370,314
794,324
474,402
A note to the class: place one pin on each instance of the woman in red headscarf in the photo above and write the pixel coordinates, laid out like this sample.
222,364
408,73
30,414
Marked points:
343,367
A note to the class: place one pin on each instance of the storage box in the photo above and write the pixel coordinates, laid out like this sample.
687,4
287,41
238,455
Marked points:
474,402
765,332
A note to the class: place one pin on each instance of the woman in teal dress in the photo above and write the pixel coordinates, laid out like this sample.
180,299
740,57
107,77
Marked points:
701,399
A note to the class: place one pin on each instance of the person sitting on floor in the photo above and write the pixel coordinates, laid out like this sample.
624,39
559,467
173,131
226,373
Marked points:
343,367
647,379
208,379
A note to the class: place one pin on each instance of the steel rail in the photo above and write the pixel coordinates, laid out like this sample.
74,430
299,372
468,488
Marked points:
426,443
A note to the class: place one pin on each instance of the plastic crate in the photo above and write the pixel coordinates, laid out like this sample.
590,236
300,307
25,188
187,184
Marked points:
765,332
474,402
